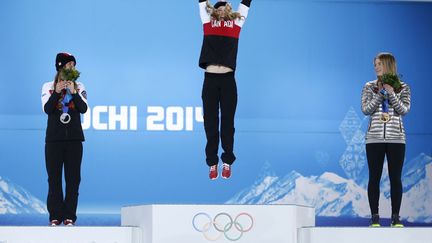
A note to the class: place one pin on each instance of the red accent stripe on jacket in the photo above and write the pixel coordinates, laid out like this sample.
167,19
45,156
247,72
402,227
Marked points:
226,28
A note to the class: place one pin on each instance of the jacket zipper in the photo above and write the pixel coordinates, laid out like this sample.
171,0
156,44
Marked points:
400,124
385,130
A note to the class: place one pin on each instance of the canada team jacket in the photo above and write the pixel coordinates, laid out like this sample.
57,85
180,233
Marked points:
52,106
221,38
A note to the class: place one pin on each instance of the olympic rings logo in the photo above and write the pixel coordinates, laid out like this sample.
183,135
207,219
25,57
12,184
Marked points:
222,225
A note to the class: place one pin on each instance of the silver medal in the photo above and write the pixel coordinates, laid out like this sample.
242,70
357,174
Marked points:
65,118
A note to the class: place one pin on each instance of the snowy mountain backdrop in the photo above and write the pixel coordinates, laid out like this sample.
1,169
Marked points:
335,195
16,200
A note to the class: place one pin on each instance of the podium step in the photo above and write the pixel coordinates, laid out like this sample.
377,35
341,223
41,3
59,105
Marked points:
218,223
364,234
69,234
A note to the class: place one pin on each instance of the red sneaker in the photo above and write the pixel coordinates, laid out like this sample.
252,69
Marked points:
213,175
226,171
68,222
54,222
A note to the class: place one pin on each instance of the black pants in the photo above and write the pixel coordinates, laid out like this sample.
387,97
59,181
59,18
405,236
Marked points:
57,155
395,153
219,92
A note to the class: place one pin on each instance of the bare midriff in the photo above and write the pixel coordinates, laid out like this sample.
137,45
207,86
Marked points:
218,69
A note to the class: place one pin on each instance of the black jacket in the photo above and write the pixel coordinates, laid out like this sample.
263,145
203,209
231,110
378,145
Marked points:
56,130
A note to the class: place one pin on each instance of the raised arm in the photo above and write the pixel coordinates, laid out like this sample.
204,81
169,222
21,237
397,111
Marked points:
49,101
205,16
401,104
370,100
243,9
80,99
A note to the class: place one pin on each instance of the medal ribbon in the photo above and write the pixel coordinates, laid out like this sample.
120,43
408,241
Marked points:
385,103
65,101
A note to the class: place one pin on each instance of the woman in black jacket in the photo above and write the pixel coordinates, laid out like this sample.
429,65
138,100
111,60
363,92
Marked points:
63,101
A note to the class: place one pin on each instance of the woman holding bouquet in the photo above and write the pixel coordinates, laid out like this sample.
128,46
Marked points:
385,100
63,100
218,58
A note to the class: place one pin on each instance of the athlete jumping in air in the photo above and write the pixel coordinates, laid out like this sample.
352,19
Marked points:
218,57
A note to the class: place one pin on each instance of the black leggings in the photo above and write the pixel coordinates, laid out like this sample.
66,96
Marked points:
219,91
375,153
57,155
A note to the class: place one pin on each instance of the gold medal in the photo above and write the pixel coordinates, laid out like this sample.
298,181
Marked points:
385,117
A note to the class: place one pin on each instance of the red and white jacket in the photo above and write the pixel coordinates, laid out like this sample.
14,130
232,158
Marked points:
221,38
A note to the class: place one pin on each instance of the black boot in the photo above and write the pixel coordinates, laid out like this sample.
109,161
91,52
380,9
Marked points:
395,222
375,221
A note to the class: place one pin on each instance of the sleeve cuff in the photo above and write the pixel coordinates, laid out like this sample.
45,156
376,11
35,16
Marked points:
246,3
76,95
379,96
392,96
55,94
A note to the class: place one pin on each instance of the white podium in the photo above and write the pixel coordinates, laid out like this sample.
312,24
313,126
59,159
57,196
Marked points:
218,223
365,234
69,234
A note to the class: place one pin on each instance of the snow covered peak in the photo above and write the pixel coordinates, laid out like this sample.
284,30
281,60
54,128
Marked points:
328,176
333,195
15,199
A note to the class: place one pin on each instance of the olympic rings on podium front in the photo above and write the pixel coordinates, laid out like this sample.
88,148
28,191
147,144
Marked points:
223,223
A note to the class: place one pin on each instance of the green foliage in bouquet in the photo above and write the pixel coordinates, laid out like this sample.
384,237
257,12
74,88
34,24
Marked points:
69,74
391,79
